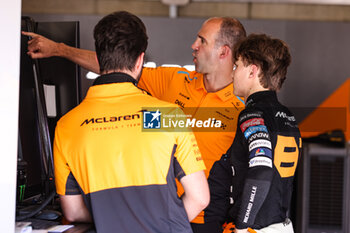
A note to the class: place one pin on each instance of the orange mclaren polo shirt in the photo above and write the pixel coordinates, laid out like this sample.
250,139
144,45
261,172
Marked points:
126,175
186,89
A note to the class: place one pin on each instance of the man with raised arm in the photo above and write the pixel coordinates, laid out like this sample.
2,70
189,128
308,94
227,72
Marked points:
107,168
204,92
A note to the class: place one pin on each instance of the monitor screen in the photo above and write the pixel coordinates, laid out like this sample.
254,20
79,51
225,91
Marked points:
61,85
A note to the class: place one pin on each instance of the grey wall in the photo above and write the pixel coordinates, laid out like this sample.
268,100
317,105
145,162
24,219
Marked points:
320,50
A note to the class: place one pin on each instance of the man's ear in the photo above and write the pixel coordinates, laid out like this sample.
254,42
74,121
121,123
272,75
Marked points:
139,62
254,71
225,51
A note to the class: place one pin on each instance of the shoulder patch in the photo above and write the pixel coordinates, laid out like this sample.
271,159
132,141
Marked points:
260,161
260,152
245,116
260,143
259,135
253,129
251,122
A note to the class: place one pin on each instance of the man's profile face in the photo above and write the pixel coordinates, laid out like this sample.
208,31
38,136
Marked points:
205,52
240,76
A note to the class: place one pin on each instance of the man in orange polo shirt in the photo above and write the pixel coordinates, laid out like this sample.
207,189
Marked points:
206,92
108,168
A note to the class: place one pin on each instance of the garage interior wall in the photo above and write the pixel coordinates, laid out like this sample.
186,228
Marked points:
320,50
318,36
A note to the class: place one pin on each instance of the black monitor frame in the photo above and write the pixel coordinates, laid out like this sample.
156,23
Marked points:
63,77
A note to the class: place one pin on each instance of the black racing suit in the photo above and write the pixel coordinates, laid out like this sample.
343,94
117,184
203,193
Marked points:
263,159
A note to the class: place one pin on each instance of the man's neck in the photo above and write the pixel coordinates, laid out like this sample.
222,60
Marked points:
121,71
214,83
255,89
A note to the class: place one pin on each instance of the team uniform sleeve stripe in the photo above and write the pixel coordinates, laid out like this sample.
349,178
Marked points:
62,169
72,186
179,172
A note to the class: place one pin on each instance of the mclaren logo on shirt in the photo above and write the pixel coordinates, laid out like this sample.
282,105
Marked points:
110,119
285,116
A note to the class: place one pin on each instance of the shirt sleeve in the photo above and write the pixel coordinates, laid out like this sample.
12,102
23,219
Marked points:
187,153
219,181
156,80
62,169
257,183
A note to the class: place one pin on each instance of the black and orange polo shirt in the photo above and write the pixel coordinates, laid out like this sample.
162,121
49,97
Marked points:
125,174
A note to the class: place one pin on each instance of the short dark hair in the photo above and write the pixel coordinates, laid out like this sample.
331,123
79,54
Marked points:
271,55
231,31
120,38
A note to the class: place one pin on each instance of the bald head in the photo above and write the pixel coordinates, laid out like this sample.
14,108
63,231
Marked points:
231,31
